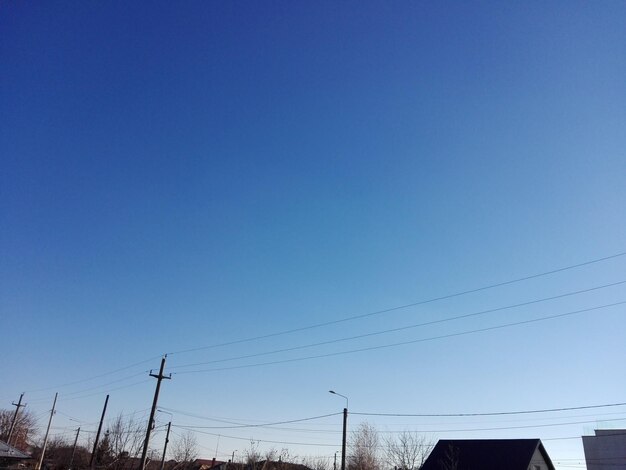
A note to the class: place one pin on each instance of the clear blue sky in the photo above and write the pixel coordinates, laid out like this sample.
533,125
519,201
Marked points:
176,175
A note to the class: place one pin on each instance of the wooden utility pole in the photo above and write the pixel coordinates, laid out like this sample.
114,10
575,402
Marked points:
92,460
74,449
167,439
17,406
45,439
155,401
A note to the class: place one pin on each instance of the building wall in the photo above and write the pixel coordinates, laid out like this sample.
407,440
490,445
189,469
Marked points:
607,449
537,462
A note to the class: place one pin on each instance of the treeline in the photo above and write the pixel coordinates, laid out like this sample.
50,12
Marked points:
121,444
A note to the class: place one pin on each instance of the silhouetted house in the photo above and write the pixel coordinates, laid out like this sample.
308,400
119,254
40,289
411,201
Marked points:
489,454
10,457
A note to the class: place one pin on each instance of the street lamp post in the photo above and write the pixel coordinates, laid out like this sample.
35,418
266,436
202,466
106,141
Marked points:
167,438
345,423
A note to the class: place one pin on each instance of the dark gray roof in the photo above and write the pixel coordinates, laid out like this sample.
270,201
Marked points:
486,454
10,452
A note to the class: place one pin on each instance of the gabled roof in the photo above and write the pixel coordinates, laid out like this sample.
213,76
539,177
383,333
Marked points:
486,454
10,452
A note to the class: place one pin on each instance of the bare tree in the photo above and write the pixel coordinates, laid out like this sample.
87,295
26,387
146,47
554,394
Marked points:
271,455
285,456
252,454
58,452
408,451
185,448
125,438
23,431
317,463
364,443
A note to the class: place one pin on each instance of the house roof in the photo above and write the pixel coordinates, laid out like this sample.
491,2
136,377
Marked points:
486,454
207,462
10,452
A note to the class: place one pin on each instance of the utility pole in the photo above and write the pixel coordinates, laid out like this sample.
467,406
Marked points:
92,460
74,449
146,442
334,464
17,406
167,439
45,439
343,444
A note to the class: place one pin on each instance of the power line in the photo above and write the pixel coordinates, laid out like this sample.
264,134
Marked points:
455,415
326,430
63,399
267,424
527,426
494,413
259,440
192,415
400,307
402,328
96,387
403,343
67,384
436,431
355,317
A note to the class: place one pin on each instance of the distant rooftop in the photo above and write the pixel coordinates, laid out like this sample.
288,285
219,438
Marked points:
10,452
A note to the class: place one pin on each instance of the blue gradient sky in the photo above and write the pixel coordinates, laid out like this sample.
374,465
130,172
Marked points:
177,175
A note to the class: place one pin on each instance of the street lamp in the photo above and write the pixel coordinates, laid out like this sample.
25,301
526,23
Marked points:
345,423
339,394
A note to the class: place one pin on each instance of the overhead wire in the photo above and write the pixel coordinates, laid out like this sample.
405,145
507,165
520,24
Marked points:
351,318
96,387
336,426
432,431
274,423
268,425
191,415
258,440
67,384
493,413
400,307
63,399
527,426
402,328
403,343
352,351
